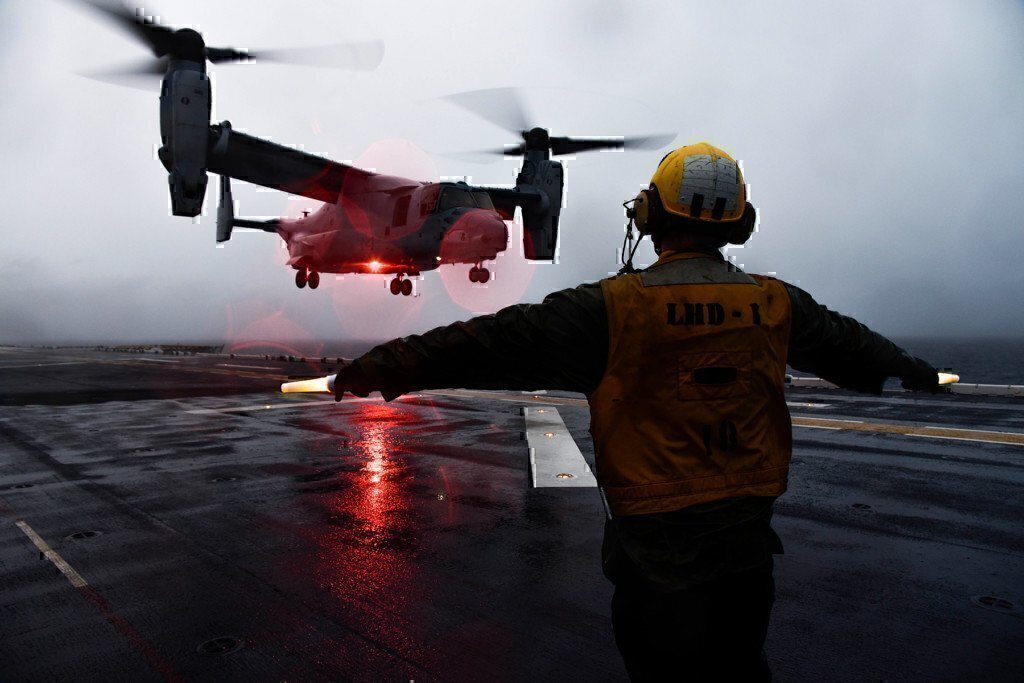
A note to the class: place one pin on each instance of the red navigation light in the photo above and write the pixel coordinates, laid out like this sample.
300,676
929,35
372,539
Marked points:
374,266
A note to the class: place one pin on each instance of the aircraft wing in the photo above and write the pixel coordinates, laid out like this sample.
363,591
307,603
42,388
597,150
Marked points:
269,164
506,199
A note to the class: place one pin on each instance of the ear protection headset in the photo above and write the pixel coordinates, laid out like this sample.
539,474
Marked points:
647,213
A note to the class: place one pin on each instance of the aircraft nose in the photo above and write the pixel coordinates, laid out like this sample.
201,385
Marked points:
477,235
490,228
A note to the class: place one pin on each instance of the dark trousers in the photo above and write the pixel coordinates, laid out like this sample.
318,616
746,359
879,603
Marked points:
712,631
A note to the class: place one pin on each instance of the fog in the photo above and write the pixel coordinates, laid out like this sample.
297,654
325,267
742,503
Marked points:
881,141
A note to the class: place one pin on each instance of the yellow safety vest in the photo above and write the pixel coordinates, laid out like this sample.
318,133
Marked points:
691,406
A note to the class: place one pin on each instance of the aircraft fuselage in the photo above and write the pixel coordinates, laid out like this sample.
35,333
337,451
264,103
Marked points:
385,224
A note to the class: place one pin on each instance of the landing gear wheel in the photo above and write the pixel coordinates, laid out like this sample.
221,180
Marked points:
479,274
406,287
300,278
396,286
313,280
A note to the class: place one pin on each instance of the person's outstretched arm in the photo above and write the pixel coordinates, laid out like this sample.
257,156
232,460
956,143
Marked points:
561,343
845,352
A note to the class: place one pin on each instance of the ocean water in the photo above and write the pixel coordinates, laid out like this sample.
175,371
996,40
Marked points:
976,360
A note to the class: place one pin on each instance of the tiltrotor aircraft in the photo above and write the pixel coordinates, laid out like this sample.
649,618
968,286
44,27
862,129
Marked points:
369,222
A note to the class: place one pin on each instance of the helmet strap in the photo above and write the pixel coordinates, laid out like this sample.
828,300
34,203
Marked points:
629,243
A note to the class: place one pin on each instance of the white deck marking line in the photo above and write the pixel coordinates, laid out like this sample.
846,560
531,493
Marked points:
835,429
966,438
247,367
555,459
275,406
66,569
799,404
156,360
500,396
43,365
976,431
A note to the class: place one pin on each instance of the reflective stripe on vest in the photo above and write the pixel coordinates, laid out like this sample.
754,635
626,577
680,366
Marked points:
691,406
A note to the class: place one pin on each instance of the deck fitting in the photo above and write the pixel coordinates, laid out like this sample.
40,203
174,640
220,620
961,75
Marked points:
224,645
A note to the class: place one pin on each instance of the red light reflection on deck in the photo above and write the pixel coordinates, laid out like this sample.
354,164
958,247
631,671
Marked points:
366,552
378,493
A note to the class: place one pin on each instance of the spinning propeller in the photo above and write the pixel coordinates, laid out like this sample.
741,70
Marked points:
504,107
187,44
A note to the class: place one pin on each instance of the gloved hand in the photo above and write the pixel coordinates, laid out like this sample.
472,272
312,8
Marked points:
920,375
353,380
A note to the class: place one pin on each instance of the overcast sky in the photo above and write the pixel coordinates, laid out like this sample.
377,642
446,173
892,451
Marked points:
882,142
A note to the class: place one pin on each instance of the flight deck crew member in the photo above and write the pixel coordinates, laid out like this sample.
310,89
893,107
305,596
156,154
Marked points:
683,365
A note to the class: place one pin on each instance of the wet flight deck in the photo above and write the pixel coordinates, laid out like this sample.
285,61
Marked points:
173,517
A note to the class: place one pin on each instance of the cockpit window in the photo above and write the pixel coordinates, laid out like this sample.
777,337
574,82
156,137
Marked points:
453,197
483,200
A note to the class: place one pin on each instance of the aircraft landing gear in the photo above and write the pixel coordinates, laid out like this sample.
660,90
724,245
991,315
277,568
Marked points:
401,286
479,274
305,277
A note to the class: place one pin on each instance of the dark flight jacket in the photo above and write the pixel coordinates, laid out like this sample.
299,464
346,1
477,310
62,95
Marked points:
562,344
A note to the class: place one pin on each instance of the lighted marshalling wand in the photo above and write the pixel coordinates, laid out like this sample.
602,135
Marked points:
944,378
321,385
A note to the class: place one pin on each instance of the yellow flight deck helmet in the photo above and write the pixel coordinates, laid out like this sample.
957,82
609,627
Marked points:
703,187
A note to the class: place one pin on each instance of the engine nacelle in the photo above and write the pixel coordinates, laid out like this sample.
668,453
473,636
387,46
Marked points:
225,211
185,130
540,222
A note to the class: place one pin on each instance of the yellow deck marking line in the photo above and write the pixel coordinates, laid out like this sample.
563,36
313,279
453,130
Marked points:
66,569
951,433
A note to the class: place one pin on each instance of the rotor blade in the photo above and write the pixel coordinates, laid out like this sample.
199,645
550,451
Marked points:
470,156
139,74
566,145
501,106
562,145
218,55
360,56
507,150
656,141
142,67
159,39
513,150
